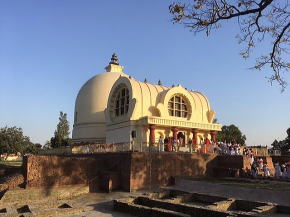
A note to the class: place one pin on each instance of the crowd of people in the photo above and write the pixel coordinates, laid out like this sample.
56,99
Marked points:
258,166
169,144
225,148
204,146
173,145
282,170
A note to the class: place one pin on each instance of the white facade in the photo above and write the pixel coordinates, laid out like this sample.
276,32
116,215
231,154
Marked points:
112,107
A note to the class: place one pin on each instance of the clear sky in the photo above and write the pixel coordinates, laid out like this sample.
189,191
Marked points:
50,48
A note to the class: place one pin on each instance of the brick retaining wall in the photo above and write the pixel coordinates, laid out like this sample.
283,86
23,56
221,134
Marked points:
126,171
54,171
165,166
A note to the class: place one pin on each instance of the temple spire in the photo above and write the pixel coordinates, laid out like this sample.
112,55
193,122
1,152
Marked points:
114,59
114,65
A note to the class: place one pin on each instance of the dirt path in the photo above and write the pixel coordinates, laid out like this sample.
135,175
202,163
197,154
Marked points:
264,195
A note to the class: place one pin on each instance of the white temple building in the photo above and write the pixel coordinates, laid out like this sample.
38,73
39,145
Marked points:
113,107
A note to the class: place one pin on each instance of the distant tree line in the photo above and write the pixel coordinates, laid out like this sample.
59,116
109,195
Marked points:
12,139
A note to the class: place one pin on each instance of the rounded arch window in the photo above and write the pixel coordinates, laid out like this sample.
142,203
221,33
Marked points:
178,106
121,102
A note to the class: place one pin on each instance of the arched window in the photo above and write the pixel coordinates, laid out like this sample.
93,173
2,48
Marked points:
121,105
178,107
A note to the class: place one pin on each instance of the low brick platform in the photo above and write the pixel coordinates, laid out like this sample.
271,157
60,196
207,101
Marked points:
178,203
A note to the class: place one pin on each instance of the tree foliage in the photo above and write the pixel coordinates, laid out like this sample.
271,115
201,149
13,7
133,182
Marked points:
32,148
47,145
275,144
283,145
288,132
61,134
257,19
231,133
12,141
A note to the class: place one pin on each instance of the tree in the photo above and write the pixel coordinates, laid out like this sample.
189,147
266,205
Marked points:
287,142
47,145
12,140
38,145
288,133
231,133
32,149
275,144
283,145
258,20
61,134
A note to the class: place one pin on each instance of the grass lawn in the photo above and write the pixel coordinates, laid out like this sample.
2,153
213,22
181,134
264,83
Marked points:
251,183
11,163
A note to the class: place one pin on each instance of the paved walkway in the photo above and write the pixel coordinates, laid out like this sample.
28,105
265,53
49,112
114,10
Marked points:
263,195
100,204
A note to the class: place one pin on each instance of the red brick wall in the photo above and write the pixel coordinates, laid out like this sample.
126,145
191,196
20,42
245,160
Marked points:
129,171
230,161
166,165
53,171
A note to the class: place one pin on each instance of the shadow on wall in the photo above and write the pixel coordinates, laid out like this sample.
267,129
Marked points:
126,171
62,171
150,170
95,170
49,172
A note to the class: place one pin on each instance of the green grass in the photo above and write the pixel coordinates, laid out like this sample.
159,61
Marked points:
11,163
260,185
255,184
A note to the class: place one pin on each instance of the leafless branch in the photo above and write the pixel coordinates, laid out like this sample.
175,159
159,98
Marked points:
258,19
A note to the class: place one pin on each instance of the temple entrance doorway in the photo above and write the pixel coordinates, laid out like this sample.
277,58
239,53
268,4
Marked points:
181,138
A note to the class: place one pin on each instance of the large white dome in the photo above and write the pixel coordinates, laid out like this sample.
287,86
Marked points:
89,120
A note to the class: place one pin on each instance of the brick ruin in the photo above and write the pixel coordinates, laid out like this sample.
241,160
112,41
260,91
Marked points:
128,171
172,203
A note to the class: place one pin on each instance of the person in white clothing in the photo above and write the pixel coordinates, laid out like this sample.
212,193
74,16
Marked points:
266,170
278,172
252,160
260,163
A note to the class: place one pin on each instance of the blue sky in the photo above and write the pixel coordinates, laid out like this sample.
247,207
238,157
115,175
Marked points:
49,49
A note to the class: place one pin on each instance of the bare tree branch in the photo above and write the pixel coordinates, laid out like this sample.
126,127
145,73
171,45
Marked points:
258,19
